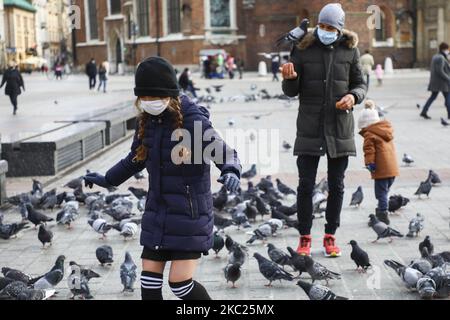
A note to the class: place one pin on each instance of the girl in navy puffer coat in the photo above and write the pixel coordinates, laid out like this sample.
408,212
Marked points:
177,224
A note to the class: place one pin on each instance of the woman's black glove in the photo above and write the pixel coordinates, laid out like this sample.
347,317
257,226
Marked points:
94,178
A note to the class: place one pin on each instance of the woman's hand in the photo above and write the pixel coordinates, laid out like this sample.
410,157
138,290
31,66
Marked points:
94,178
288,71
346,103
230,181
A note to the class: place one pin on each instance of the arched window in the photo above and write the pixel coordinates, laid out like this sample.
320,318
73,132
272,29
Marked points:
404,34
380,28
115,6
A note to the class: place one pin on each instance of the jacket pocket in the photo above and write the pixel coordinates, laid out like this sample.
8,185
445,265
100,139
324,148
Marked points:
309,121
193,208
345,125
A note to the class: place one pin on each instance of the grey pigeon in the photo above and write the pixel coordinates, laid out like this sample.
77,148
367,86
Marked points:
84,270
294,36
237,255
250,173
139,176
434,177
222,223
218,243
100,226
284,188
360,257
261,233
4,282
396,202
382,230
128,229
441,278
18,291
45,235
286,146
232,273
278,256
49,281
104,255
250,211
239,218
10,230
297,261
139,193
75,183
318,271
37,187
49,200
408,275
79,285
437,260
68,214
36,217
16,275
230,244
423,265
426,287
271,271
128,273
318,292
407,159
357,197
415,226
426,243
141,204
424,188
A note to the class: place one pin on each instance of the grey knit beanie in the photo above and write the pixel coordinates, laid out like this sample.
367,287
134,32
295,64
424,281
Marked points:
333,15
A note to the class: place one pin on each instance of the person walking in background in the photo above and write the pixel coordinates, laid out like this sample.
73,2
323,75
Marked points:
240,66
439,80
186,83
325,123
379,74
367,63
275,67
380,157
230,66
102,77
91,72
58,70
14,81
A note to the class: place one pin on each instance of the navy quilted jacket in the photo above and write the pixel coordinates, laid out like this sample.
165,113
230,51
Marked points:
178,213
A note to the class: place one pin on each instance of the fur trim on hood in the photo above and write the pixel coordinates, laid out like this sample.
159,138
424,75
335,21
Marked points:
349,38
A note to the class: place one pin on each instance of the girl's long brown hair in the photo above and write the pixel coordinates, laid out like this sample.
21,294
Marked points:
175,109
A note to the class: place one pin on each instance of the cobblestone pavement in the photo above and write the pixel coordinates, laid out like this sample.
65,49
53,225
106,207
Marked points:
426,141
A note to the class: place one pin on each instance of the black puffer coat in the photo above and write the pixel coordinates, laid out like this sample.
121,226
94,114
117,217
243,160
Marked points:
13,81
326,74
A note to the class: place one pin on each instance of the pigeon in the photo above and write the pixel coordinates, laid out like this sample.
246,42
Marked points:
278,256
127,229
286,146
18,291
271,271
218,244
37,188
16,275
408,275
10,230
84,270
139,193
78,285
444,122
281,216
437,260
240,219
422,265
49,281
237,255
4,282
434,177
294,36
49,200
67,215
57,273
261,233
251,173
45,235
231,122
128,273
261,206
357,197
284,188
104,255
36,217
424,188
265,183
407,159
318,292
318,271
218,88
221,199
415,226
76,183
232,273
139,176
222,223
297,261
360,257
396,202
60,198
250,211
426,287
441,278
230,244
382,230
100,226
426,243
288,211
141,204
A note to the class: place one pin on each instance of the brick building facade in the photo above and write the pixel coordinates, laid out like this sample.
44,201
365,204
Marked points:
124,32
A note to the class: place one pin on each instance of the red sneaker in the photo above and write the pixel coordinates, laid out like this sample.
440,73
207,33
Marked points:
330,248
304,246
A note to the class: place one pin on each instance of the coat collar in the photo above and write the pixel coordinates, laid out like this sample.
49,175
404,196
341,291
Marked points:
349,39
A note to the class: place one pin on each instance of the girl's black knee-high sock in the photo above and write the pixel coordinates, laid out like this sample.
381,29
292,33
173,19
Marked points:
189,290
151,285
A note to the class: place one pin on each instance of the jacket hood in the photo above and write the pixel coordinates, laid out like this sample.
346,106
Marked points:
383,129
349,39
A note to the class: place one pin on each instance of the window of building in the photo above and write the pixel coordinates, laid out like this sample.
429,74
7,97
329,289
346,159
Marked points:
92,19
380,30
115,7
142,17
220,13
173,16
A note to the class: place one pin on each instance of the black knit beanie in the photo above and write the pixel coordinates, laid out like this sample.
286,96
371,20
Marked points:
156,77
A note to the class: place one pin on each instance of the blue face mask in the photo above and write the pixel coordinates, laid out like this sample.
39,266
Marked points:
326,37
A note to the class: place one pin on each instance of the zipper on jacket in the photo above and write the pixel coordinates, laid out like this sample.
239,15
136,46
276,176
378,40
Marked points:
188,190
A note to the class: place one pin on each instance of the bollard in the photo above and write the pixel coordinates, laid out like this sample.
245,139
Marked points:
388,66
262,69
3,171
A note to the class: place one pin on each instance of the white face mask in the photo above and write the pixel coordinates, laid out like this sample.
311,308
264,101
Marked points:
446,52
155,107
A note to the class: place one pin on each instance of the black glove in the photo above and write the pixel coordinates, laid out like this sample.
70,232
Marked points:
94,178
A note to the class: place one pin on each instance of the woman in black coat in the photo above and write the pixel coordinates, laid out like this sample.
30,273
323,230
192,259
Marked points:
177,224
14,82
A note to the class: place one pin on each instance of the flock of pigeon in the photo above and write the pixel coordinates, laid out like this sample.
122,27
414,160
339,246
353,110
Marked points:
259,211
106,212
